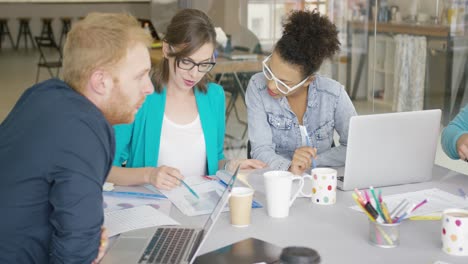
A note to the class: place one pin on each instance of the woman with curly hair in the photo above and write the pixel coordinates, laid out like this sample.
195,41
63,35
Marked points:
292,110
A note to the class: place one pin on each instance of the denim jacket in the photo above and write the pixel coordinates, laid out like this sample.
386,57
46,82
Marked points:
274,131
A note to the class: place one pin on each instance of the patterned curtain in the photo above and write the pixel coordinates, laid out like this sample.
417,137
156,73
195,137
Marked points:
409,73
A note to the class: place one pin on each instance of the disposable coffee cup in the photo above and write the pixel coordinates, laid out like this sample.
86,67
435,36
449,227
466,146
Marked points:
240,206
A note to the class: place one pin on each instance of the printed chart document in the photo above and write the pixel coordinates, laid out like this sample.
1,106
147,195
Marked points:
437,201
125,220
209,191
119,202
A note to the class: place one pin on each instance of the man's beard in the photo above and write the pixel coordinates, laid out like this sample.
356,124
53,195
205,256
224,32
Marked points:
118,109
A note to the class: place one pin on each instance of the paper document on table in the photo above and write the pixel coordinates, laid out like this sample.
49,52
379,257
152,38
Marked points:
209,191
437,201
119,202
125,220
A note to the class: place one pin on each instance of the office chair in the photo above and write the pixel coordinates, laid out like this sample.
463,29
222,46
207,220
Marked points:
50,56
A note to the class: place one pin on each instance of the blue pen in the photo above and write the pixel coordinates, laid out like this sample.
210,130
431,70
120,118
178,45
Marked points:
405,214
309,143
190,189
462,193
137,194
377,202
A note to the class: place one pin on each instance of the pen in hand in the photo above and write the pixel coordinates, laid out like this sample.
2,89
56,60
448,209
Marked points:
190,189
309,144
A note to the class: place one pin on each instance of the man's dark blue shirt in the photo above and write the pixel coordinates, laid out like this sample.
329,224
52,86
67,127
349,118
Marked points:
56,149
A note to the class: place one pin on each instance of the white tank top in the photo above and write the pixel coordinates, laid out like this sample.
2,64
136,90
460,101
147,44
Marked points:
183,147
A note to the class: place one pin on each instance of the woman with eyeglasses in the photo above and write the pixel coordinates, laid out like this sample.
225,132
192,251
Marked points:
179,130
292,110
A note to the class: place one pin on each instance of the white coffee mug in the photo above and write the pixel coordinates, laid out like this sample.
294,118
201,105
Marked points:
323,186
455,232
278,185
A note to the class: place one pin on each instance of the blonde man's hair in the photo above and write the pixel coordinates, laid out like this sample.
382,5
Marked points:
100,41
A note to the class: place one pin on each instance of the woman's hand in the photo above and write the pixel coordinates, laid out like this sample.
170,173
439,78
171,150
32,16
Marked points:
102,245
164,177
302,159
462,147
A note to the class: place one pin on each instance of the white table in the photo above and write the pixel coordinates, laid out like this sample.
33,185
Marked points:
338,233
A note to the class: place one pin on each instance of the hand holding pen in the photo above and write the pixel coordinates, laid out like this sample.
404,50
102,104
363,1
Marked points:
304,157
309,144
302,160
164,177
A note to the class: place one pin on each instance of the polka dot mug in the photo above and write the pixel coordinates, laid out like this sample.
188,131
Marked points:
454,232
323,186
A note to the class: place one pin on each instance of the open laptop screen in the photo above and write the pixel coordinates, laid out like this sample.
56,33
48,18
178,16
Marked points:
391,149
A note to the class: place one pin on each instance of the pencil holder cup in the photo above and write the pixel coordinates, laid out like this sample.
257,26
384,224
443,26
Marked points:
384,235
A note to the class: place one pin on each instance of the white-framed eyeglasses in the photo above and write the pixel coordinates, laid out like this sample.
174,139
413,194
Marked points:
282,87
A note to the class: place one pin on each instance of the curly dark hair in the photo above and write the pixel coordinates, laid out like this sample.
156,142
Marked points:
308,38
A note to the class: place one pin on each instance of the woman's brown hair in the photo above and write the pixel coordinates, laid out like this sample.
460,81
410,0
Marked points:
189,30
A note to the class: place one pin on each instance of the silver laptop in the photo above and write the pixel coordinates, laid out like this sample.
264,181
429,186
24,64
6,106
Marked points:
166,244
390,149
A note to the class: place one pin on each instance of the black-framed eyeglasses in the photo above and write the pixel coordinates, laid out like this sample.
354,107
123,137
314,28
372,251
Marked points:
188,64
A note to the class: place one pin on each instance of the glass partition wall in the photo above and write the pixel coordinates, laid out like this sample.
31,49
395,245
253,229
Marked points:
396,55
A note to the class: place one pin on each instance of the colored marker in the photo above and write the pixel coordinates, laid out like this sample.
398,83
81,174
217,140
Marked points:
426,217
377,202
373,212
397,210
359,194
367,195
419,205
402,217
388,219
356,199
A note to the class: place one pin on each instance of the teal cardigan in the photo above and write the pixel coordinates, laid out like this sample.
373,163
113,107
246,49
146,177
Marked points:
454,130
137,144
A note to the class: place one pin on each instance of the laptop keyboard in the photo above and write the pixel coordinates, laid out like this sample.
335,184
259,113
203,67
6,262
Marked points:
168,245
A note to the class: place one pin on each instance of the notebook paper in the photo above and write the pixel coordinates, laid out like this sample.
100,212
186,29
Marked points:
125,220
